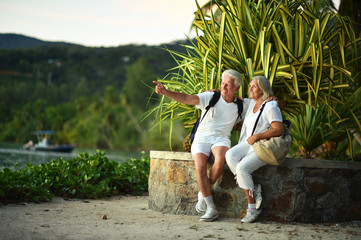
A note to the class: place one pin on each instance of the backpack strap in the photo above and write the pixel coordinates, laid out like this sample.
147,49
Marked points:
214,100
239,103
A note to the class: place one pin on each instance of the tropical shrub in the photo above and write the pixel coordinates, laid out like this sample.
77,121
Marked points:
86,176
316,126
306,52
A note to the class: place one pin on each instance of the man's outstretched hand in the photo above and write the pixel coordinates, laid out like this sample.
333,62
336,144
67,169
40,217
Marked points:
159,88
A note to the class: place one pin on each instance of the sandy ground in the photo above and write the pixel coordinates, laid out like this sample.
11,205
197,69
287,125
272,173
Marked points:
128,217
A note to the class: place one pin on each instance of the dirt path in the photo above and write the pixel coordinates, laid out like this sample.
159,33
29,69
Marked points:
130,218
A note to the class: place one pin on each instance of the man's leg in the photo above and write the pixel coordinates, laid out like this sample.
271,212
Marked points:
207,182
219,154
201,161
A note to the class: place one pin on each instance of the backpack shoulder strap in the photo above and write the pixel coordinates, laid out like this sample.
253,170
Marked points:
214,100
239,103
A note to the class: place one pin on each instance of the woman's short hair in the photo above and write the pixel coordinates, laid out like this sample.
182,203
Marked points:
264,85
235,75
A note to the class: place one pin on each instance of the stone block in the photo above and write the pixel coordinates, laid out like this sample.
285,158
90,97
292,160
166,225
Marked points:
328,200
227,181
225,200
315,185
301,201
354,211
283,203
300,190
153,165
342,188
187,191
289,184
271,216
176,174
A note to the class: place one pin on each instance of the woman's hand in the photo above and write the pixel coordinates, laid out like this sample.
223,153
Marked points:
252,139
276,130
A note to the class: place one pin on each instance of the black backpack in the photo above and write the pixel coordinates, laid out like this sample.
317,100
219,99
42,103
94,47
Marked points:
213,102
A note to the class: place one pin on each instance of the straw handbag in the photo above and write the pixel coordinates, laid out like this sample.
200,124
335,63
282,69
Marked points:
274,150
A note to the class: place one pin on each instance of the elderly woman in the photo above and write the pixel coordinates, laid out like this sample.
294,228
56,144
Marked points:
241,159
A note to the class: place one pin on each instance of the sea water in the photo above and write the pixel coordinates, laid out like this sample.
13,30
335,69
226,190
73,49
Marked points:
11,153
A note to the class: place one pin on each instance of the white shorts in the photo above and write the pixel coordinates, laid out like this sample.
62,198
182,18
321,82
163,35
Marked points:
206,148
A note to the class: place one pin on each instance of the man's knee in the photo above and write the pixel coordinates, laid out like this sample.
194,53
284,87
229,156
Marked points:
201,170
219,163
220,156
201,165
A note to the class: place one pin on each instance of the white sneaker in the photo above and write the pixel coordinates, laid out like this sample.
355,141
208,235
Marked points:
201,205
258,196
251,216
210,215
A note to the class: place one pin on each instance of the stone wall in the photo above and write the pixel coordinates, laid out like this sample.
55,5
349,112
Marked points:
300,190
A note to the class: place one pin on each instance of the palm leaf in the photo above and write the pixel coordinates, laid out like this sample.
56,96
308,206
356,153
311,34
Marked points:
306,52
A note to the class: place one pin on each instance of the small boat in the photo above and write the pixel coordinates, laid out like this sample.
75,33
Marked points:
43,143
55,148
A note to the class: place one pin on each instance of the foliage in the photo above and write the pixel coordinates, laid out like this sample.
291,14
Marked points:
138,86
91,97
311,128
352,9
36,116
316,126
306,52
82,177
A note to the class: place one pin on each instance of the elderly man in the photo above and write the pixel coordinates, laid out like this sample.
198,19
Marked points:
212,136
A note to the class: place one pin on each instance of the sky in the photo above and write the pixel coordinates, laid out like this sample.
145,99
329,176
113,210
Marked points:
97,23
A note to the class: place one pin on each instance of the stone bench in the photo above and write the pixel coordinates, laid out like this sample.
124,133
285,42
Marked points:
300,190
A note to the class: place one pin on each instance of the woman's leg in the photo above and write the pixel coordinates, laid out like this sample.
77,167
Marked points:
235,154
244,171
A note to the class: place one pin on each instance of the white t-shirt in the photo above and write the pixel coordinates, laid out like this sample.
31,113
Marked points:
271,113
220,119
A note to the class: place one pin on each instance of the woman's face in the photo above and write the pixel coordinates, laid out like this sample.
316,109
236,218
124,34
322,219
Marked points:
254,91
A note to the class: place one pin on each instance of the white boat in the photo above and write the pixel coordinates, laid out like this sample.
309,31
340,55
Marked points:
43,143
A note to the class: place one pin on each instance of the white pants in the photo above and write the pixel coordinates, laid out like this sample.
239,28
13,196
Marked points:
243,161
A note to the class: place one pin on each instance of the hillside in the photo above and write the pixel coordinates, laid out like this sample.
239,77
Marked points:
16,41
78,91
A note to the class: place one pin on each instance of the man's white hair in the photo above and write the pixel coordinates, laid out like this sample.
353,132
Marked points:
235,75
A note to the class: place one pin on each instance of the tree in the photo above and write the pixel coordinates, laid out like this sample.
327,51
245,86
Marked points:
297,45
137,87
352,9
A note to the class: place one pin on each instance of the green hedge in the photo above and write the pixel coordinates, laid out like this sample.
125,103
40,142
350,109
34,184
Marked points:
82,177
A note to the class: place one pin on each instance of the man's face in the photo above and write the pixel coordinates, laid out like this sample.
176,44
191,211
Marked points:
228,87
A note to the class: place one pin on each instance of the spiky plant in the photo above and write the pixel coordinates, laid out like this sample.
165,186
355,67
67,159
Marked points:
298,47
